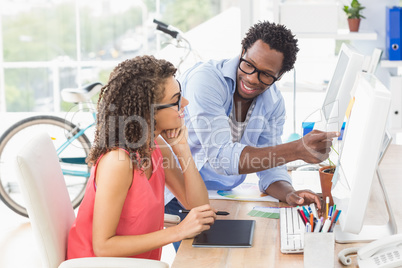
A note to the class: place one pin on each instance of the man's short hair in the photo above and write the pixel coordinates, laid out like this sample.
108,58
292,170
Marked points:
278,37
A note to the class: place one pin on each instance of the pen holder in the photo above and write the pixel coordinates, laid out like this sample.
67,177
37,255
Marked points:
319,250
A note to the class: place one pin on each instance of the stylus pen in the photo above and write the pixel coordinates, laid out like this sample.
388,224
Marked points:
222,213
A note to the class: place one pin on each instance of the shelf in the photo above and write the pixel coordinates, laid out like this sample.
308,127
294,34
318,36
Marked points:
391,63
342,34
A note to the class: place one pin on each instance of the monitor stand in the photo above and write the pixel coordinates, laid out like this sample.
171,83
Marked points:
370,232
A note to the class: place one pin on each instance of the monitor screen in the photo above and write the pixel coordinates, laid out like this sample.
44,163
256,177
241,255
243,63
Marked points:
334,85
339,92
362,144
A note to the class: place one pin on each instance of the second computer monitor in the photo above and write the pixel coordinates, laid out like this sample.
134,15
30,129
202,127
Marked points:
362,149
339,92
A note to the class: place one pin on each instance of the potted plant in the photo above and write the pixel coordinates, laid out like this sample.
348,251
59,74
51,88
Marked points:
354,15
326,174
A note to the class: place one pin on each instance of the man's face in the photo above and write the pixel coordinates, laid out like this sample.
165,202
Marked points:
265,59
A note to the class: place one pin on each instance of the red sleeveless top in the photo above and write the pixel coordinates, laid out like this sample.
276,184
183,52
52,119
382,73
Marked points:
143,211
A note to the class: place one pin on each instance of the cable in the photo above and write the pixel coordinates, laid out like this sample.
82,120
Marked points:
343,255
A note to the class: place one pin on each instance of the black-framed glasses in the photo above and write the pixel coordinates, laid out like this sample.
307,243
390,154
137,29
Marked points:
248,68
178,102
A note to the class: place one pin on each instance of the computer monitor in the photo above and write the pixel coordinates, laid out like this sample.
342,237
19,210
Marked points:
363,148
339,91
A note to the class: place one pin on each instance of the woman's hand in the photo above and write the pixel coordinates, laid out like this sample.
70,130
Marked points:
198,220
175,136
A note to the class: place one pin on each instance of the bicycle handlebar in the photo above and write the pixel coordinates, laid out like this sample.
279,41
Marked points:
161,23
173,34
176,34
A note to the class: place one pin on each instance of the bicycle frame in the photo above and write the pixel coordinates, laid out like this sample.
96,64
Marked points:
75,160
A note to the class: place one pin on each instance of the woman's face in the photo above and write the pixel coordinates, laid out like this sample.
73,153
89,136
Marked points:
168,113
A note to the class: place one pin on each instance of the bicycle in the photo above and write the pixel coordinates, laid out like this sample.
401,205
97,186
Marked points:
71,143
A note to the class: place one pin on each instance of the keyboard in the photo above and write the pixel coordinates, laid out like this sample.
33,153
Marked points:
291,230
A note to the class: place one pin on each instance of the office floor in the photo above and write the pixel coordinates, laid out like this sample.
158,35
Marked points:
18,248
17,245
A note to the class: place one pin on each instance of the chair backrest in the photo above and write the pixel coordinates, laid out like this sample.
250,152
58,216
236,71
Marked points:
47,201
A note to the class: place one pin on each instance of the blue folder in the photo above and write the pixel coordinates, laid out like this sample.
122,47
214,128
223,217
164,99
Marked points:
394,32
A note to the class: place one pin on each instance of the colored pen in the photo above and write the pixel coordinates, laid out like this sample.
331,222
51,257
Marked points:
306,212
317,226
301,216
308,228
222,213
327,204
304,216
333,217
322,223
325,228
309,209
314,209
336,219
330,211
312,222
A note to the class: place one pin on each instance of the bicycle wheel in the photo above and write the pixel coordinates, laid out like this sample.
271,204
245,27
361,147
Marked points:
12,141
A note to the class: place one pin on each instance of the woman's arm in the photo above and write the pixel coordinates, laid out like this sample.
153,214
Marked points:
113,180
185,183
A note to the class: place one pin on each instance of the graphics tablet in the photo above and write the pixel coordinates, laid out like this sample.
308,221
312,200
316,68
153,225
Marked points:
227,233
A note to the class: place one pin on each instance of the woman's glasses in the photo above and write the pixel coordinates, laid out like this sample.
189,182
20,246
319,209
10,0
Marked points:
178,102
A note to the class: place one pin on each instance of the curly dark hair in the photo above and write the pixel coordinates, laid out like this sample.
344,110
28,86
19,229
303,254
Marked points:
278,37
125,118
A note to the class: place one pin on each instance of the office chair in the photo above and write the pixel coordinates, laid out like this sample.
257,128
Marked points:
50,210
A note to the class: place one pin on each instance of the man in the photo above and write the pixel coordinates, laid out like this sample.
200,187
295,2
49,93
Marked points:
236,114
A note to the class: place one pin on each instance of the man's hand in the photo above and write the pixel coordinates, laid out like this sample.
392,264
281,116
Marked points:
303,197
316,146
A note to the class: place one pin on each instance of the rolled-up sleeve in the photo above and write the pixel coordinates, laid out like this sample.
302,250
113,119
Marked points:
210,138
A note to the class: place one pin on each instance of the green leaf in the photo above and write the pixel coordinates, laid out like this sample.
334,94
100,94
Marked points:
353,11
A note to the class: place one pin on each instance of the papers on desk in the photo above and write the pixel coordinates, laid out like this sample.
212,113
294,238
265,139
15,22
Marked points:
250,191
306,180
265,212
243,192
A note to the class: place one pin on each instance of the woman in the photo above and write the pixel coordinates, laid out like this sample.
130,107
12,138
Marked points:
123,208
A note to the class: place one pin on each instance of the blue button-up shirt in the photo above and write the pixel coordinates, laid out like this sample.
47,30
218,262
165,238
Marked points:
209,87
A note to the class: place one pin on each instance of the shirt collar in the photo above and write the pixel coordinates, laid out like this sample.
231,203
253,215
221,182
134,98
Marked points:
229,69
